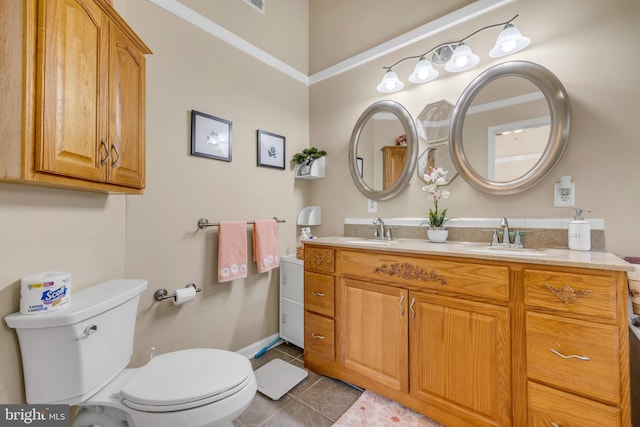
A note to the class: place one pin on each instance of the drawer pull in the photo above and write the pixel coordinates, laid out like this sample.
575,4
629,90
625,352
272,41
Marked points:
567,294
318,294
400,304
555,425
571,356
316,336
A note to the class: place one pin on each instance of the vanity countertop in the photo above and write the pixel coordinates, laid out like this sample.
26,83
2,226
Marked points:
561,257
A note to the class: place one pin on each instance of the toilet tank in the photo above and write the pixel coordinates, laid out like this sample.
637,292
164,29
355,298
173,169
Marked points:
71,353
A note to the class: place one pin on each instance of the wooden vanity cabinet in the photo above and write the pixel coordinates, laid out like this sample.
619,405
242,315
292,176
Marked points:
81,105
319,303
468,341
373,332
577,351
461,357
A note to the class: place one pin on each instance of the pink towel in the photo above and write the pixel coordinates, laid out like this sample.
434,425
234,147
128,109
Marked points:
265,244
232,251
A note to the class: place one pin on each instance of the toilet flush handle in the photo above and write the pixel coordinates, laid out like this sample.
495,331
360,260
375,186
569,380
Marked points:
89,330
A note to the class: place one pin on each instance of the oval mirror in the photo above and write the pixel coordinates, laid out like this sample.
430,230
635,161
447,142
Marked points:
510,127
383,150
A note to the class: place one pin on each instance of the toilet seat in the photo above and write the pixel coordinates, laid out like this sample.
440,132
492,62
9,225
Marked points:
186,379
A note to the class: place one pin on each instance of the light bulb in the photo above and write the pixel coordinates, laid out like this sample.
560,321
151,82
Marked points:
508,46
461,61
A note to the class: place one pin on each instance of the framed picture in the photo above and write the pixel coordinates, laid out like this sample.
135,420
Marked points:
360,164
271,150
210,136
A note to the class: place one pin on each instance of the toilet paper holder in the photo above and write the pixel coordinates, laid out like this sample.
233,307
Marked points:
162,294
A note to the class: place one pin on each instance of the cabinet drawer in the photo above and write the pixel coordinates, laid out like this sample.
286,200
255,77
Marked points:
571,293
319,293
467,278
548,407
319,335
319,259
597,377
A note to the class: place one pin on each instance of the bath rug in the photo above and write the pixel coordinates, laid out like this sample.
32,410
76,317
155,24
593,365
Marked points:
372,410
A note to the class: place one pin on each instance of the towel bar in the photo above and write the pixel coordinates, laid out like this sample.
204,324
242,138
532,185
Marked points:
162,294
204,223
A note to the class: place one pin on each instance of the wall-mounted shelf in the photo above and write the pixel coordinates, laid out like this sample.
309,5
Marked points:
316,170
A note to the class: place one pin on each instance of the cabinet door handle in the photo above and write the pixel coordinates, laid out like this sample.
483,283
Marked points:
116,162
103,144
400,304
571,356
318,294
555,425
413,312
316,336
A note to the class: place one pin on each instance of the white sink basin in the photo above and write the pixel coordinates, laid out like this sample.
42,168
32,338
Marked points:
368,242
510,252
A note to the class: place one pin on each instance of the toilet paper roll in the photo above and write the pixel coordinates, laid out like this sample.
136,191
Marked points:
184,295
44,292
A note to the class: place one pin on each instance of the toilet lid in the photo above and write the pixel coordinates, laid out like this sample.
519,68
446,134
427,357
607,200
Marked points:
186,378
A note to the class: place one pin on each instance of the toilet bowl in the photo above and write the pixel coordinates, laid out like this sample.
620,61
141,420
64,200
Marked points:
91,342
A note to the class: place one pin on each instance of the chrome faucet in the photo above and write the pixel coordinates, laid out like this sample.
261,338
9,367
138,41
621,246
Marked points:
504,224
378,231
518,237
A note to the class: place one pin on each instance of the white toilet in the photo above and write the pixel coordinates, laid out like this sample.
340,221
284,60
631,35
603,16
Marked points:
77,355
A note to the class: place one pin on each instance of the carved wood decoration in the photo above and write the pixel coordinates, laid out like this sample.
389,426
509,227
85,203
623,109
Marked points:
320,260
410,272
567,294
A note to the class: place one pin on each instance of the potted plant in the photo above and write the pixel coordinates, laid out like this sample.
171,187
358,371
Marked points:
436,218
305,159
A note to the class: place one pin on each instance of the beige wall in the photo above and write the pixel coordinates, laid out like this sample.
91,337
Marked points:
572,38
43,229
191,69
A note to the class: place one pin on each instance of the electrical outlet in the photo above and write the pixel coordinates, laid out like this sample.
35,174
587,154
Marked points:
564,201
372,205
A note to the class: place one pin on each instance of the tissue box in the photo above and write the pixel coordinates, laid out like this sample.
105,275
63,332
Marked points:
44,292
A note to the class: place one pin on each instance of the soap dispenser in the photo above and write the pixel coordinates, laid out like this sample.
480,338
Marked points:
579,232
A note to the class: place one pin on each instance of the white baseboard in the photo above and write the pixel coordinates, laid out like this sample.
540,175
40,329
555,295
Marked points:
251,350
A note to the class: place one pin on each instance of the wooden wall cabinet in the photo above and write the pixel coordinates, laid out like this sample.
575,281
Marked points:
392,164
79,78
468,342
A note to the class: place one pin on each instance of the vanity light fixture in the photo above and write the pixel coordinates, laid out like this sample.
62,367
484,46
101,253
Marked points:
457,56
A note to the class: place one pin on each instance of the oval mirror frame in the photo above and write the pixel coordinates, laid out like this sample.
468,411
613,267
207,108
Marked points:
560,112
411,159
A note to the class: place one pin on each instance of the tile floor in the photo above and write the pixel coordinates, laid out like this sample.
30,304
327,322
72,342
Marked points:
317,401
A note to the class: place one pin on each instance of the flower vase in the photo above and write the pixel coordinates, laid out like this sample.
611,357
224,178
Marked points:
437,234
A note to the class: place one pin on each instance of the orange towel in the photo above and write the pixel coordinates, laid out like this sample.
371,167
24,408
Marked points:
265,244
232,251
